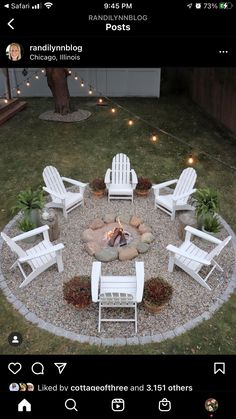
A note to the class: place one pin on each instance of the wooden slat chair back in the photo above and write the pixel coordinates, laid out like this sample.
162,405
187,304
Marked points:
120,170
117,292
53,180
185,184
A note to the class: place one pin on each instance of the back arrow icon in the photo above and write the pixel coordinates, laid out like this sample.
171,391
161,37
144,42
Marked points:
9,23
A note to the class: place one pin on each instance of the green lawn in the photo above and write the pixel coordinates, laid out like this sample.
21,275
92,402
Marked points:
84,150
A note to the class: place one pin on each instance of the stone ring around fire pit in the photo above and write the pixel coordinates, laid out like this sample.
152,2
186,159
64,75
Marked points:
117,237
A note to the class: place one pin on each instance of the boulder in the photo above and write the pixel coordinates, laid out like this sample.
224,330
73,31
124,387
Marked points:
92,248
135,221
147,238
144,228
109,218
127,253
88,235
107,255
96,223
142,247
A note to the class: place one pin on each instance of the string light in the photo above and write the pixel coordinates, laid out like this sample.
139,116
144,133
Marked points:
82,83
5,100
42,71
69,71
37,77
100,100
18,91
130,122
113,110
154,138
76,77
28,83
190,159
90,90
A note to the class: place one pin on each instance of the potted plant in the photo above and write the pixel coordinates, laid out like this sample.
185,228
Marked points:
77,291
26,225
212,224
157,292
98,187
143,186
206,203
30,202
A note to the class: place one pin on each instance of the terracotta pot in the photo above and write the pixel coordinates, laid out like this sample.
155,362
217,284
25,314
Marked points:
153,308
99,194
142,192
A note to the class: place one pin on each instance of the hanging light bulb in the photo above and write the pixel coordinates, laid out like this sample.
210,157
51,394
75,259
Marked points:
18,91
76,77
130,122
5,100
100,100
113,110
69,71
90,90
154,138
28,83
82,83
190,159
37,77
42,71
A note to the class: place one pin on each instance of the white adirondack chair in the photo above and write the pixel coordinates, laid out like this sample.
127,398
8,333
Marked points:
178,200
40,257
120,180
192,258
117,291
61,198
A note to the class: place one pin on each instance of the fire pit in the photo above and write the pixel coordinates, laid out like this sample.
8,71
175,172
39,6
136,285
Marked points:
108,239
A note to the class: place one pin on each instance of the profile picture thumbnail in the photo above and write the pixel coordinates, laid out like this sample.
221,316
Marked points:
14,51
211,405
14,387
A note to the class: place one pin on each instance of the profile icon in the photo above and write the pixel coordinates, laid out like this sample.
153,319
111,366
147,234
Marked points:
14,51
211,405
14,387
30,387
23,387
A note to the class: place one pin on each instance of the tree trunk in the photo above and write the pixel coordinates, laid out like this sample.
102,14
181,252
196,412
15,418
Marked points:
57,82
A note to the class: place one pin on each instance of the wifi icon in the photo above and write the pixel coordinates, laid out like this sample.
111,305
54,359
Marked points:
48,5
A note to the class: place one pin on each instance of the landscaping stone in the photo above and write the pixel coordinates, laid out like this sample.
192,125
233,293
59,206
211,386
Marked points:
142,247
88,235
144,228
92,248
107,255
109,218
135,221
127,253
147,238
96,223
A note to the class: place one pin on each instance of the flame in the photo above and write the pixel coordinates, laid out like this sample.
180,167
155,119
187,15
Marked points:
120,225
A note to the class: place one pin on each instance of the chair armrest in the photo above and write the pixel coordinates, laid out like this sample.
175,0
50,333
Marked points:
31,233
140,280
177,197
53,249
95,277
202,235
134,179
74,182
107,179
180,252
56,194
162,185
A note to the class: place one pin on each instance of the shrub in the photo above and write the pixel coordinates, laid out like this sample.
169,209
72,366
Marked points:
26,225
212,223
77,291
206,201
29,200
97,184
143,184
157,291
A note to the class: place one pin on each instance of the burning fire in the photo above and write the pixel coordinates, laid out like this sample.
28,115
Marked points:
109,234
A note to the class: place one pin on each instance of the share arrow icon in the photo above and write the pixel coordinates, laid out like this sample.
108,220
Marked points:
61,366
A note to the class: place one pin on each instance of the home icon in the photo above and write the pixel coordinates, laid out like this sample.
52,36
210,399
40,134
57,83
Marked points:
24,405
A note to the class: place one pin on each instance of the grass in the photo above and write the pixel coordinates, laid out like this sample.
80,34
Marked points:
28,144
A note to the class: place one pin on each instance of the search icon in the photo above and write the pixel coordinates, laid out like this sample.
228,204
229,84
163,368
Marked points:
37,368
70,404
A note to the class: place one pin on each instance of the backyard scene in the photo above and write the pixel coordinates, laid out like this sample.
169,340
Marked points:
118,211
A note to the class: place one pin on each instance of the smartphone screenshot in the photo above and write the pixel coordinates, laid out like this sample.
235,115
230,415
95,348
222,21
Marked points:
117,209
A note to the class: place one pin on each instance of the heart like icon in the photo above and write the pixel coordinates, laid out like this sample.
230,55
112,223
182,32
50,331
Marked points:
14,367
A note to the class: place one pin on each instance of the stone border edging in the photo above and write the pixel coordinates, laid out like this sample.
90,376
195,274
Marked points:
137,340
